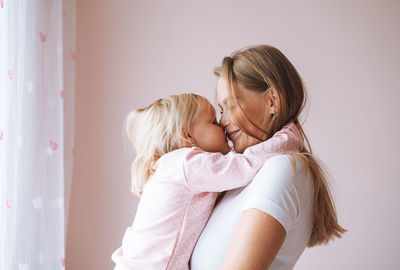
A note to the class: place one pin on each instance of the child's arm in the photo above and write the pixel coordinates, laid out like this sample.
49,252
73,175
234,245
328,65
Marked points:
215,172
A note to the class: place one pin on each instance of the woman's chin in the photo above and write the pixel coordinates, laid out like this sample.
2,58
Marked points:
238,148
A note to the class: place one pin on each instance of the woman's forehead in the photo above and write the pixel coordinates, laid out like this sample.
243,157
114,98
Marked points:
223,94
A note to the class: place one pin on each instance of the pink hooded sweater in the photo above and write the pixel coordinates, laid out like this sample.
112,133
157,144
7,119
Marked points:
179,197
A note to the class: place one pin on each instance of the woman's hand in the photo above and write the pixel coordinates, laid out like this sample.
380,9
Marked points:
257,240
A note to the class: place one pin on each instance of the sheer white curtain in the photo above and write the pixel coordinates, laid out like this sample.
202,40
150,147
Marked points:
37,40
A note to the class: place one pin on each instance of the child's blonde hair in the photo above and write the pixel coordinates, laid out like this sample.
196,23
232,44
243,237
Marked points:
158,129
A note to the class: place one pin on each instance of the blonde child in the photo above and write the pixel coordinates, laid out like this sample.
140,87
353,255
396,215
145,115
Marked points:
183,160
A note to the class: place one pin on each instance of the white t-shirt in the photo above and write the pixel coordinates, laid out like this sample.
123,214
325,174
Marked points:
288,199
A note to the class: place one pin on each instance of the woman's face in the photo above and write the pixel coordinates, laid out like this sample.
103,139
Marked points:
256,106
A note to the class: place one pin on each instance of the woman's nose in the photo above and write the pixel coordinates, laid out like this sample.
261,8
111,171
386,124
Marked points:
223,122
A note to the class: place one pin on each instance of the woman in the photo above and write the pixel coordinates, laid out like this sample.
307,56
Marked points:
287,206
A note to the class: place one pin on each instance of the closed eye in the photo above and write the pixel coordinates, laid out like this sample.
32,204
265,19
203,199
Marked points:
220,109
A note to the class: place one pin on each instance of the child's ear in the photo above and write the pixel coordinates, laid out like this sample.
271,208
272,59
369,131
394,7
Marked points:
187,138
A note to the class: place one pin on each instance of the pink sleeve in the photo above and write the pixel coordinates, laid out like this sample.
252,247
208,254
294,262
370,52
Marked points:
215,172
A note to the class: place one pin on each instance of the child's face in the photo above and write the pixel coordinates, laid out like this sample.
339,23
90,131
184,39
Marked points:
208,134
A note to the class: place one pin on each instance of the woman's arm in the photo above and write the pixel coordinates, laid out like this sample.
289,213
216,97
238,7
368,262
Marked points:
257,240
271,207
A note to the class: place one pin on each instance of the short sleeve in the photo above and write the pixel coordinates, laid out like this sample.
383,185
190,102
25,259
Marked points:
274,192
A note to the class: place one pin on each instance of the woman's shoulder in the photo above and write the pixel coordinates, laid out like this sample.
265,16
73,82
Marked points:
284,170
285,162
281,188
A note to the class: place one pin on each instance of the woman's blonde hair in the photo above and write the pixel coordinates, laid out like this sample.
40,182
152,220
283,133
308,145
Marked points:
157,129
257,68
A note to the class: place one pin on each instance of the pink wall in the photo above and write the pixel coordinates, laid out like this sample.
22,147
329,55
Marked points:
132,52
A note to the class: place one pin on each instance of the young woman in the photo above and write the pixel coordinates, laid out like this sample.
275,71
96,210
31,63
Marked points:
287,206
